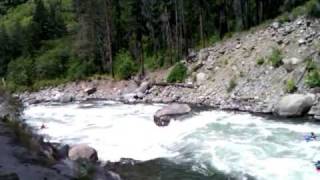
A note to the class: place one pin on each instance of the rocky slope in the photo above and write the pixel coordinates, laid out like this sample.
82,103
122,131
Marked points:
227,75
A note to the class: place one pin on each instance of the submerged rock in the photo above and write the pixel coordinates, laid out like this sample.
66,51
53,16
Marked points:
8,176
294,105
83,151
164,115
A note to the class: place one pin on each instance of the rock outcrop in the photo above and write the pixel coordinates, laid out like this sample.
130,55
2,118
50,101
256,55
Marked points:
83,151
294,105
163,116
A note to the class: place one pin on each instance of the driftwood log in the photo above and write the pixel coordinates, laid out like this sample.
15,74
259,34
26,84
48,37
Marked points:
164,84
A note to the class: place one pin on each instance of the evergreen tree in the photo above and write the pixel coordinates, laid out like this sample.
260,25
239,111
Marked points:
5,54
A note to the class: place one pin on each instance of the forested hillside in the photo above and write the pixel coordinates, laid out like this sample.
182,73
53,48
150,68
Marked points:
51,41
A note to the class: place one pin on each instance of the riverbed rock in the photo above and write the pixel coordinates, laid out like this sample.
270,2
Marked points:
60,151
67,168
163,116
83,151
66,98
294,105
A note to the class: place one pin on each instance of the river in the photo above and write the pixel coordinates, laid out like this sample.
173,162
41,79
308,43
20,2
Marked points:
210,141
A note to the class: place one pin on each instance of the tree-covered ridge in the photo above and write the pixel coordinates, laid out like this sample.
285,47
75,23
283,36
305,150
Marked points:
71,39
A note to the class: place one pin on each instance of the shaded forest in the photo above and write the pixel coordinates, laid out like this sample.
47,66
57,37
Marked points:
44,40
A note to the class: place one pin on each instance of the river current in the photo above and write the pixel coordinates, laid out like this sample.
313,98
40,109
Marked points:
233,143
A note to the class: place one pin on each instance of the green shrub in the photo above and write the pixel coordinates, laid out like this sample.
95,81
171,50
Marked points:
47,67
20,71
232,85
124,66
313,78
276,58
291,86
178,73
79,69
313,8
155,61
310,65
214,38
260,61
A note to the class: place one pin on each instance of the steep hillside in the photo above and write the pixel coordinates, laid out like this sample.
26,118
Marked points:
239,73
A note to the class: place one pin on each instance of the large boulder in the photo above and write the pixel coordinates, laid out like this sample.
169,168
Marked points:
144,87
201,78
83,151
291,63
66,98
163,116
294,105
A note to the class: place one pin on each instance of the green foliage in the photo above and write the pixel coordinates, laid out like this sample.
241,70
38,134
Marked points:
291,86
275,58
232,84
310,65
260,61
124,66
155,61
313,78
40,84
177,74
313,8
20,71
79,69
86,170
213,39
52,63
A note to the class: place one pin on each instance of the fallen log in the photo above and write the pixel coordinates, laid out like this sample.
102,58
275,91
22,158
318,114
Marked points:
164,84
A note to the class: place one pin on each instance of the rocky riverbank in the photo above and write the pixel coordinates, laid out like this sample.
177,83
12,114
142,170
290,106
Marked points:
25,155
234,74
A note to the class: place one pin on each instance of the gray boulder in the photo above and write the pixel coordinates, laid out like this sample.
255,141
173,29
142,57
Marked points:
290,63
66,98
201,78
83,151
144,87
275,25
294,105
163,116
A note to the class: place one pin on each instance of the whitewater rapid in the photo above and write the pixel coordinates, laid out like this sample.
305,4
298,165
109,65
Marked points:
229,142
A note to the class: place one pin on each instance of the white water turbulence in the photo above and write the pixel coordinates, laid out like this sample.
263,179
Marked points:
229,142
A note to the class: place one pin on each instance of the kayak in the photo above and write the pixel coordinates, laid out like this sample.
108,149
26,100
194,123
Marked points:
309,138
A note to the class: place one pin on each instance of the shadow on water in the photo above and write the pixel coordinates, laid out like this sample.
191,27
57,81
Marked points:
162,169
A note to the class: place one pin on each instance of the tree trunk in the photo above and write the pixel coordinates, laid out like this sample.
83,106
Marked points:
109,58
201,29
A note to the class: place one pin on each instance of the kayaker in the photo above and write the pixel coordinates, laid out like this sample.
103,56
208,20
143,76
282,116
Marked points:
43,126
317,165
313,136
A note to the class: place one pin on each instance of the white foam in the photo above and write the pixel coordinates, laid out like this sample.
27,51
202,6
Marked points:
230,142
